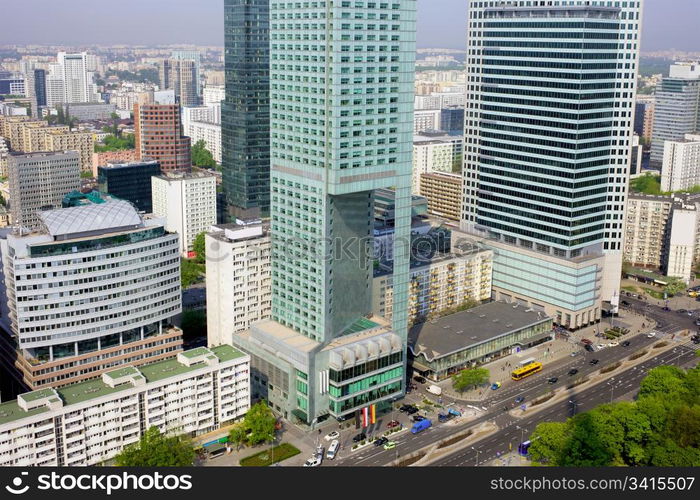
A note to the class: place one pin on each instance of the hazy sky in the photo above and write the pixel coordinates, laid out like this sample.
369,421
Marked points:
441,23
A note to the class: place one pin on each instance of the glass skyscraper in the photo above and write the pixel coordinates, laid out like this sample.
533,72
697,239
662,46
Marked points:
245,112
341,122
548,126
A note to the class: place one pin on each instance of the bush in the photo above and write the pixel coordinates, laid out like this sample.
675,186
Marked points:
265,458
542,399
610,368
637,355
660,345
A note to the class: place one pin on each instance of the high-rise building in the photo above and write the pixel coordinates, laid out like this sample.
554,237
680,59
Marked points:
245,112
548,130
129,181
341,121
435,152
39,181
159,136
680,170
452,120
180,75
644,118
677,108
111,303
191,55
78,83
188,202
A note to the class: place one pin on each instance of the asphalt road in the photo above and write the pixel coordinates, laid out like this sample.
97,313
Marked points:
512,429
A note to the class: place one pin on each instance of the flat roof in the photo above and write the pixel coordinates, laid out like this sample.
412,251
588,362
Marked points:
469,328
95,388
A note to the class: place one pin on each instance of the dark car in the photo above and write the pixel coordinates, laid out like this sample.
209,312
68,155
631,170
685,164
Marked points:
552,380
405,408
682,311
381,441
594,361
573,371
589,348
419,379
666,308
412,410
626,343
360,437
519,399
625,303
417,418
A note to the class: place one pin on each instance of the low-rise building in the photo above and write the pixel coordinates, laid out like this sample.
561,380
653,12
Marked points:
445,346
426,119
91,422
435,152
443,191
90,111
129,181
121,156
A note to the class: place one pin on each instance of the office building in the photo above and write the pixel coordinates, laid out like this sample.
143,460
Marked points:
437,285
77,80
452,120
188,202
85,327
245,112
443,191
191,55
89,423
680,169
677,108
180,75
323,177
158,137
426,120
213,95
119,156
644,118
90,111
39,181
547,152
239,283
435,152
129,181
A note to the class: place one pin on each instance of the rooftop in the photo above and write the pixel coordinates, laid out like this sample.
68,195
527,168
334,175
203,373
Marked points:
91,389
114,214
469,328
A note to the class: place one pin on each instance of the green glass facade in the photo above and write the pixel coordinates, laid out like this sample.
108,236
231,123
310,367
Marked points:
245,112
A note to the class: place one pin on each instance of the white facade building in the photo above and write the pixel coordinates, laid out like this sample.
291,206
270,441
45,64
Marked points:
214,94
210,133
77,79
188,202
90,422
238,281
681,245
681,164
435,154
426,119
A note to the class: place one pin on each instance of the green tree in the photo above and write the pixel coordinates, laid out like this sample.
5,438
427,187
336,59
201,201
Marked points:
675,286
201,156
238,435
470,378
259,424
548,443
199,248
157,450
190,272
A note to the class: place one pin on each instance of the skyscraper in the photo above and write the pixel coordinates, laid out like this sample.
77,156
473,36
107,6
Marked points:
245,111
159,137
191,55
548,125
341,99
677,109
77,80
180,75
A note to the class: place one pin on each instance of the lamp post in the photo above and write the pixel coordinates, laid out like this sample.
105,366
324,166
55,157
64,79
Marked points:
612,387
574,404
477,455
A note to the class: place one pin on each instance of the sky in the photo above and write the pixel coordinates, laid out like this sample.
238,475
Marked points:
441,23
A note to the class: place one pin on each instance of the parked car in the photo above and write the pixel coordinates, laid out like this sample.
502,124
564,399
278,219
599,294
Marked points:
519,399
589,348
443,417
682,311
600,347
420,426
417,418
314,461
360,437
552,380
613,344
393,423
419,379
405,408
594,361
495,385
412,410
625,303
573,371
651,335
381,441
666,308
332,435
434,389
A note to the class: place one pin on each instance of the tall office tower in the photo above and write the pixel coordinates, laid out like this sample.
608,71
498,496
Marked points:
548,130
114,281
245,112
191,55
159,137
129,181
39,181
677,110
35,86
180,75
644,118
77,81
341,84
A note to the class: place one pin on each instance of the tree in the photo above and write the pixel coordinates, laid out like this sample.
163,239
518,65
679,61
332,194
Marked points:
259,424
198,247
548,442
157,450
470,377
238,435
675,286
201,156
190,272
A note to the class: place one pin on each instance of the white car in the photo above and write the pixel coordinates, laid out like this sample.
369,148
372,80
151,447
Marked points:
600,346
332,435
651,335
613,344
313,462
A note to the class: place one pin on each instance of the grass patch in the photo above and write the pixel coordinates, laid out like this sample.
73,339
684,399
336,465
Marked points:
655,293
542,399
637,355
609,368
577,382
630,288
411,460
265,458
660,345
456,439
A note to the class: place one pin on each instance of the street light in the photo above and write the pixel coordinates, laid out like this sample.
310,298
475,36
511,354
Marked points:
477,455
573,407
612,387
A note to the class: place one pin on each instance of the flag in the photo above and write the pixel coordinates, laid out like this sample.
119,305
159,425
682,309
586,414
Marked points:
373,410
365,417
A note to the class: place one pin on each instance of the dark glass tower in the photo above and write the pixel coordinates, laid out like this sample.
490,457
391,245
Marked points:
245,113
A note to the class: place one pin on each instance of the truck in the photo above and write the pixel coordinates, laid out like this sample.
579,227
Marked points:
434,389
454,412
421,426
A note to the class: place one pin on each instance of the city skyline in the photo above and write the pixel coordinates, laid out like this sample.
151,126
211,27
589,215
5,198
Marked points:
666,23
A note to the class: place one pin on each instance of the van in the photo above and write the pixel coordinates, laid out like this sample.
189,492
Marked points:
434,389
333,449
421,426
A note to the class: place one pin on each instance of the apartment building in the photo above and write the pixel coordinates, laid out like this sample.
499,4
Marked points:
680,170
435,152
239,285
91,422
82,142
443,191
159,137
645,227
426,119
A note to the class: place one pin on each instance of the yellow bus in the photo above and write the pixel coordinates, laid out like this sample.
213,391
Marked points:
526,371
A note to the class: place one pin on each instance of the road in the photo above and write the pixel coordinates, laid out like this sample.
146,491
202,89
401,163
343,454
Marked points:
512,429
